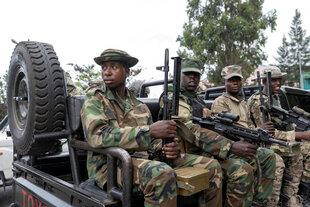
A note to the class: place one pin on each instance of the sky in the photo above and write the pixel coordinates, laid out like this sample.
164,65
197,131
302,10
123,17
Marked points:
80,30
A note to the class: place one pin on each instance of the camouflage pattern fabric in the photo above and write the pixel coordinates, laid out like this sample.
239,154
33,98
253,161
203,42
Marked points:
237,173
277,183
231,71
109,120
305,151
71,88
266,157
110,55
293,165
233,105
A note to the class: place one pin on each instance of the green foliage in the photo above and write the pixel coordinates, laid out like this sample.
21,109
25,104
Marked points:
295,52
133,72
85,74
3,90
226,32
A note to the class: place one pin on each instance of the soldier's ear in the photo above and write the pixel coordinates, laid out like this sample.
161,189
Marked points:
127,71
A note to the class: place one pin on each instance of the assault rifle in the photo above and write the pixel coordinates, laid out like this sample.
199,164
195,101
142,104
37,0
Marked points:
171,106
224,124
296,116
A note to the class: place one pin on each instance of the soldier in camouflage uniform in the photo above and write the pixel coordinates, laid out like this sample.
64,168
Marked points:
235,104
113,117
293,164
238,173
71,87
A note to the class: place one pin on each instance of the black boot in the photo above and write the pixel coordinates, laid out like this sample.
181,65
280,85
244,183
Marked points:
304,192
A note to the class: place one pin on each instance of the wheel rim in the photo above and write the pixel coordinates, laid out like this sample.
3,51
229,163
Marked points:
20,99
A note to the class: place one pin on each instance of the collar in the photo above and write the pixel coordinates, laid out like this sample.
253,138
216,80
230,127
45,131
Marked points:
190,94
237,100
126,103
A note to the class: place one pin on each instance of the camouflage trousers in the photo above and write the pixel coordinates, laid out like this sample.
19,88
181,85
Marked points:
305,151
291,166
158,183
241,174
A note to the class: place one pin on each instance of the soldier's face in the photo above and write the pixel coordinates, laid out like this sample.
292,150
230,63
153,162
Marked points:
114,74
190,80
275,84
233,85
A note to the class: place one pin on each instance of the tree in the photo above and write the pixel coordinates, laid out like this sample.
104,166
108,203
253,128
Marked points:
226,32
85,74
3,89
294,52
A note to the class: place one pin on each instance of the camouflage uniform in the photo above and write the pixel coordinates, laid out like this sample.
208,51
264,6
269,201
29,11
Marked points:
237,173
110,121
293,165
71,88
266,157
305,146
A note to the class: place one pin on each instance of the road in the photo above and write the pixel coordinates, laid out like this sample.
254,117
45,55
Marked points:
5,196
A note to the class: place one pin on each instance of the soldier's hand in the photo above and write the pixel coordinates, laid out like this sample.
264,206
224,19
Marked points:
244,149
171,150
163,129
268,126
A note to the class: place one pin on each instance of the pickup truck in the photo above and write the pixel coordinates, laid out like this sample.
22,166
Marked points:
6,155
42,117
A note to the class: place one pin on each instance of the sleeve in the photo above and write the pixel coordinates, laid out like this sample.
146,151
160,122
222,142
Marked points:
219,105
102,130
255,112
208,140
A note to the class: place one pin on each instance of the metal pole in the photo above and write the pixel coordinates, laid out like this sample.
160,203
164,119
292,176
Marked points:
301,81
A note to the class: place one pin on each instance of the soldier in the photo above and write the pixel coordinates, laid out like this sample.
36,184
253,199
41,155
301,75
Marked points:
113,117
293,164
232,102
238,173
71,87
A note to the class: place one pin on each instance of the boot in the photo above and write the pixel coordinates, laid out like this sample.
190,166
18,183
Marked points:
304,193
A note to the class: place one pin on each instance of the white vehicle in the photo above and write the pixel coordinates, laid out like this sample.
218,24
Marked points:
6,154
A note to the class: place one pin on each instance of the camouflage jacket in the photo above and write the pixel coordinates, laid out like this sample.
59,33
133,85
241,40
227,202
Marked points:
71,88
204,139
233,105
110,121
287,134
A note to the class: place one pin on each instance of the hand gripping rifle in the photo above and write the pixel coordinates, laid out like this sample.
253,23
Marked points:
224,123
297,116
171,106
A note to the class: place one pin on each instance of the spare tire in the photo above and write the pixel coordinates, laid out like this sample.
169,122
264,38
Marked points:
35,97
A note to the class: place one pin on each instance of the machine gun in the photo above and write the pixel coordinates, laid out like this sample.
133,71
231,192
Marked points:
170,106
297,116
224,124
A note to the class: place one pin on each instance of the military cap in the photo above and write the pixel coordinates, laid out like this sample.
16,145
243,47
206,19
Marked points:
275,72
116,55
231,71
191,65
